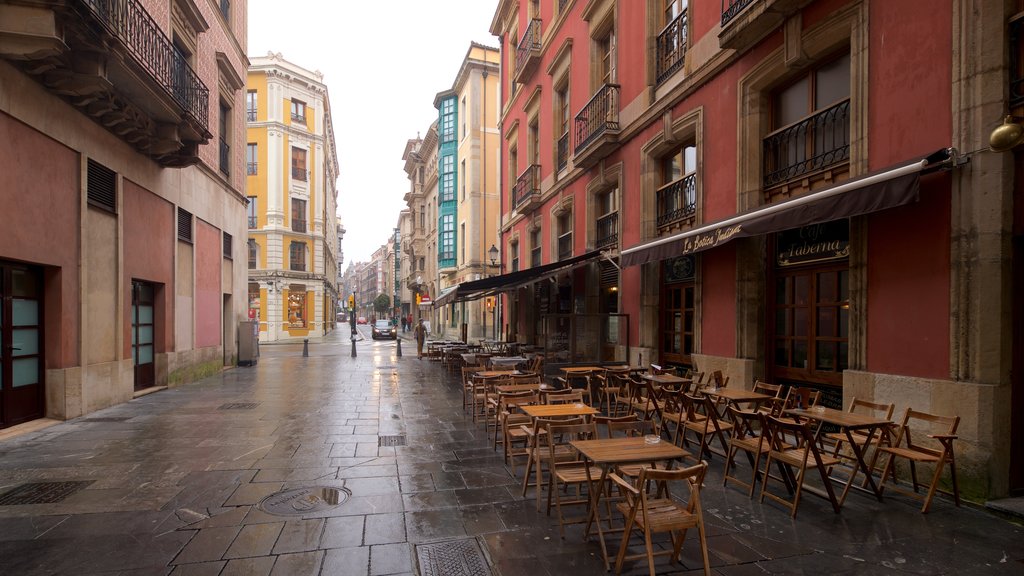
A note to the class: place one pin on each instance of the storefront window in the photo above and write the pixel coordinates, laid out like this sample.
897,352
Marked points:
296,309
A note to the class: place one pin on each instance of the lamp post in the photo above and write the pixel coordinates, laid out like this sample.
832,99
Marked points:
492,253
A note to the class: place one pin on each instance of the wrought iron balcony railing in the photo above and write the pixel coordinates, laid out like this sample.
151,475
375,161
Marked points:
535,256
252,168
300,173
730,8
250,115
563,151
600,115
607,230
225,157
671,48
677,200
529,46
1016,65
298,225
252,221
565,246
814,143
129,22
526,186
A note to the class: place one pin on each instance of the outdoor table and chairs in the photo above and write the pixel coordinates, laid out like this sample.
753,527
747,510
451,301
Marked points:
609,453
508,360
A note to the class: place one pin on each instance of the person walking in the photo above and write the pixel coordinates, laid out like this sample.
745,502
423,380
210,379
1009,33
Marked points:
421,335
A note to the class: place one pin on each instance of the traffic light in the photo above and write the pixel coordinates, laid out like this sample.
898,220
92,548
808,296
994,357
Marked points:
351,301
419,298
489,302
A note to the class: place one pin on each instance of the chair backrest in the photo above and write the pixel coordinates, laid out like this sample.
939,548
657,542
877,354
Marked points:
536,364
745,422
766,388
657,369
564,396
623,426
802,397
658,483
719,380
926,425
526,379
467,373
781,432
507,401
863,406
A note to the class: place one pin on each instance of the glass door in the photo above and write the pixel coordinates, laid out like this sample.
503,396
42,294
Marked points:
21,352
142,334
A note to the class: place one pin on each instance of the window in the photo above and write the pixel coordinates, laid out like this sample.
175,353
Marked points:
535,250
296,308
562,125
811,124
251,154
448,178
447,247
251,211
297,256
462,116
423,218
514,249
298,111
228,246
462,179
811,324
607,210
513,173
671,42
462,243
299,164
676,196
184,225
534,145
298,215
254,297
250,106
225,139
565,236
101,186
225,9
605,64
423,263
253,253
448,120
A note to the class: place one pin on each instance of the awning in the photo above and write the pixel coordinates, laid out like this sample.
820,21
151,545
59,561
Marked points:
887,188
506,282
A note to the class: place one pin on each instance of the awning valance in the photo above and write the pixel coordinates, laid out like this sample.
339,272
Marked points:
887,188
506,282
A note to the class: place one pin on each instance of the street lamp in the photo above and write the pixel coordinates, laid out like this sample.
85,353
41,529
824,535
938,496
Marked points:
492,253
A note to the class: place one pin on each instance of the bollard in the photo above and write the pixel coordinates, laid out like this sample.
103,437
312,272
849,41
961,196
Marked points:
305,348
399,340
353,346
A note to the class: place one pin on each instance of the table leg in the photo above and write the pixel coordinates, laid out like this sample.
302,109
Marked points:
595,514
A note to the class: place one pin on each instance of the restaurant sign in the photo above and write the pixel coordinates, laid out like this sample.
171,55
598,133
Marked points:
711,238
815,243
680,269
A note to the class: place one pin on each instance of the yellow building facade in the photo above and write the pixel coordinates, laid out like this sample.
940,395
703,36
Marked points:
292,170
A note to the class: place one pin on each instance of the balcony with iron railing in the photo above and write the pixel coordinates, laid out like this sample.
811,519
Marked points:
563,152
299,173
250,115
111,60
747,22
677,201
526,192
528,52
252,168
252,222
565,246
607,230
816,143
596,127
671,48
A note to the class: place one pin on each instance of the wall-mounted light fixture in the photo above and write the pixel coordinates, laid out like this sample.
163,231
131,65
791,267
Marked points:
492,253
1006,136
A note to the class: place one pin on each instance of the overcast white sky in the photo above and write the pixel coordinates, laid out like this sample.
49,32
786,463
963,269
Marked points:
383,63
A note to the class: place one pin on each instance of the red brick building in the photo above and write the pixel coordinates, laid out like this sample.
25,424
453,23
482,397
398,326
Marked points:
779,185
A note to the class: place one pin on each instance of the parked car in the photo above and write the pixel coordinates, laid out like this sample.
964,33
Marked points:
361,320
384,329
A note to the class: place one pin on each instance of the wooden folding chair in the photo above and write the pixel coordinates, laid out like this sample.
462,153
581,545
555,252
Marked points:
651,507
702,420
538,437
803,455
838,439
938,452
776,405
747,435
565,472
467,384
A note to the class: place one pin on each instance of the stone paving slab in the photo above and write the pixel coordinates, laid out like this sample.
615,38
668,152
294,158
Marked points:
176,480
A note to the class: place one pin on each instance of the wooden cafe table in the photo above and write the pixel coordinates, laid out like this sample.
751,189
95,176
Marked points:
666,379
848,422
611,452
737,396
566,410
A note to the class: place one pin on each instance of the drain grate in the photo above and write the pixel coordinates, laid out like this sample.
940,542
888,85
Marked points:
42,492
301,501
454,558
107,419
238,406
391,441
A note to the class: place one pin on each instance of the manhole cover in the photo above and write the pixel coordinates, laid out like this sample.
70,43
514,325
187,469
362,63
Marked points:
458,557
301,501
42,492
391,441
238,406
